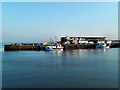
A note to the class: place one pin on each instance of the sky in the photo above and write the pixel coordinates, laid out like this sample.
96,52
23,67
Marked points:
40,21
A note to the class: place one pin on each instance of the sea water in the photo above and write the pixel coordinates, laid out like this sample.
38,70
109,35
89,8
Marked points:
83,68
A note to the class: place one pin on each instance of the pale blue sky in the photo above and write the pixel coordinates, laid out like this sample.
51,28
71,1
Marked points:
36,22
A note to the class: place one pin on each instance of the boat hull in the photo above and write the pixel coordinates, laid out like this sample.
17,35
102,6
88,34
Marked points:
53,48
101,46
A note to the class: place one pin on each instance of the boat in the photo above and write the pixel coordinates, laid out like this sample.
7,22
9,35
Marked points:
107,46
53,47
101,45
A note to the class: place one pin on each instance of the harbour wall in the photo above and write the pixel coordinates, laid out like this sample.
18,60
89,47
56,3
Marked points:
66,47
21,47
79,46
115,45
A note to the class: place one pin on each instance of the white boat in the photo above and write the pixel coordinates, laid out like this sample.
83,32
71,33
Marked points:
107,46
102,45
54,47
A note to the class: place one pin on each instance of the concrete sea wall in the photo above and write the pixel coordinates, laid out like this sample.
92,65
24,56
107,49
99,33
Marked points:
79,46
66,47
115,45
20,47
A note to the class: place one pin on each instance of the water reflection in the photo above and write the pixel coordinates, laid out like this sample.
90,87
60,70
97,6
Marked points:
91,68
72,58
79,52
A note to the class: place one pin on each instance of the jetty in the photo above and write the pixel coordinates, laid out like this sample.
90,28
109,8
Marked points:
79,46
17,47
36,47
67,42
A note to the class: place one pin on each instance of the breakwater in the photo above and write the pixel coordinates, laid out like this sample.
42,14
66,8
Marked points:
21,47
79,46
115,45
35,47
41,47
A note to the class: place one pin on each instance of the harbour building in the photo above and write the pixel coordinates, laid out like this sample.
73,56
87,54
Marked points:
82,39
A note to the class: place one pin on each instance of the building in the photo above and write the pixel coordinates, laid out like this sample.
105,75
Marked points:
115,41
44,43
78,40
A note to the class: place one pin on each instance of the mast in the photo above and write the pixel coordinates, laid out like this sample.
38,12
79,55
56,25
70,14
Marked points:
50,40
55,39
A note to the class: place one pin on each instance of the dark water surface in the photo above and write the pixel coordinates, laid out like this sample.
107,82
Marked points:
84,68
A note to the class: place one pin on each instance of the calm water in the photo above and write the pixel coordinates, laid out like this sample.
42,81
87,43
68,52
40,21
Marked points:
84,68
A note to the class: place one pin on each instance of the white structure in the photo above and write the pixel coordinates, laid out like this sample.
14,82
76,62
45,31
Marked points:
91,42
66,43
109,42
101,41
83,41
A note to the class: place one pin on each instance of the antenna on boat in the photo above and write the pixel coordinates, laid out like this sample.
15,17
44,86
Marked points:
55,38
50,40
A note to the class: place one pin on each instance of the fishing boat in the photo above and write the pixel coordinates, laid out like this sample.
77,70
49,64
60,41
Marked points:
53,47
107,46
101,45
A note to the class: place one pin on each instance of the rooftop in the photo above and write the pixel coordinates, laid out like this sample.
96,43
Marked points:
86,36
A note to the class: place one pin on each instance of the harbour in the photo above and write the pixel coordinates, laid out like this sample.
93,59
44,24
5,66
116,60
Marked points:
66,43
59,45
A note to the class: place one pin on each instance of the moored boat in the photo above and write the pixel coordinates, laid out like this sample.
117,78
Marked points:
107,46
53,47
101,45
